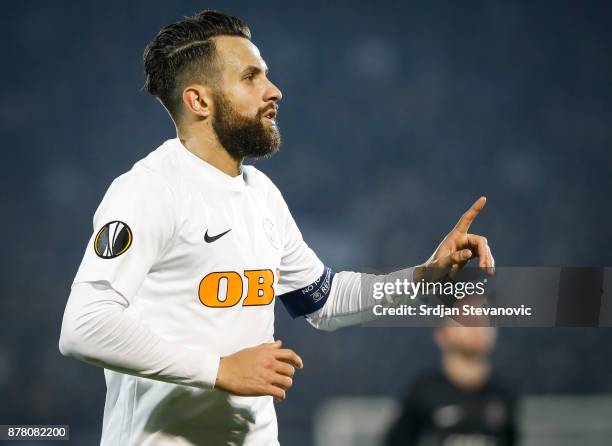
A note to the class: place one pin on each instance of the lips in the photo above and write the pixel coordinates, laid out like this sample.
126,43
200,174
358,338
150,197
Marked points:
270,114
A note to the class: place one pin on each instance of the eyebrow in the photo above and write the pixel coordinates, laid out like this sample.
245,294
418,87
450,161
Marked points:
255,69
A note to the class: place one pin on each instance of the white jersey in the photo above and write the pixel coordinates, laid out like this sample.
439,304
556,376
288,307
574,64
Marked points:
199,256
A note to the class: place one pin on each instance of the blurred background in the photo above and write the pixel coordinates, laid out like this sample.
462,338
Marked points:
395,117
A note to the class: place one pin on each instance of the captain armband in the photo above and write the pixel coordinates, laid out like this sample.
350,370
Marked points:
311,298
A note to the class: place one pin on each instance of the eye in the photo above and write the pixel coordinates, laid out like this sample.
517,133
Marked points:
249,76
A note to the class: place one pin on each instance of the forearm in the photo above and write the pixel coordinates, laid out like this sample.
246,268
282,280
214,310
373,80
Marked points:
351,299
97,329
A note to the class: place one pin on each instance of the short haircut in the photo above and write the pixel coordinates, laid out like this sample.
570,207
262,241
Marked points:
184,52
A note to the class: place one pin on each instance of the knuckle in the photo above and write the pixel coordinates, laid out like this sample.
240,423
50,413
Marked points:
268,376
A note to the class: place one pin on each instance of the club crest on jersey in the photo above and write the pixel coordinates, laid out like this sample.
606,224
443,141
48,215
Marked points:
271,233
113,240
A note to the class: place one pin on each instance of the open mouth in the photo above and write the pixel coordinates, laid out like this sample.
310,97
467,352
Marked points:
270,115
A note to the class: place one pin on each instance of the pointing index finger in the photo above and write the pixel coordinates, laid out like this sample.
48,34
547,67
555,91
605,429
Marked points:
466,219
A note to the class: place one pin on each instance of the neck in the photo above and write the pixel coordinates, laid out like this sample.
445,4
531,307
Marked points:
206,146
466,372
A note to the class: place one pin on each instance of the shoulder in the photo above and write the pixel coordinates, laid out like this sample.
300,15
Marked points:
151,179
498,385
160,166
254,176
257,179
429,378
423,383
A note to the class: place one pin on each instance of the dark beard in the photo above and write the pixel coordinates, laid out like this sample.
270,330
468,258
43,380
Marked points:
241,136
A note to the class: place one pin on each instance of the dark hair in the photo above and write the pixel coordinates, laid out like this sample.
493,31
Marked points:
184,52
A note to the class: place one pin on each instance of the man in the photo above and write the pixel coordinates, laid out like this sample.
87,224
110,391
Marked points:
174,296
463,403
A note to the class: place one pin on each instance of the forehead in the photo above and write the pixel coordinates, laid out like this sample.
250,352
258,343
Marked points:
237,53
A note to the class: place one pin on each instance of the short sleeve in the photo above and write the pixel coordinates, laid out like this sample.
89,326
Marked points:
131,228
300,266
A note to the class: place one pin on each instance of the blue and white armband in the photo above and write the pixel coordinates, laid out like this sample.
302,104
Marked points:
311,298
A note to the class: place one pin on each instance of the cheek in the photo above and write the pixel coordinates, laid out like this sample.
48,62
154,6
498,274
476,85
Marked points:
246,100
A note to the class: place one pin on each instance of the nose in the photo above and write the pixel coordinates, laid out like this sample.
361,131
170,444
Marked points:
273,93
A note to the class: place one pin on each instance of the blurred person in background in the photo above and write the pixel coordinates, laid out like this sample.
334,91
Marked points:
461,403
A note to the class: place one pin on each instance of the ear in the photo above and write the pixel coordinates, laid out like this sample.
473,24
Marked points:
197,99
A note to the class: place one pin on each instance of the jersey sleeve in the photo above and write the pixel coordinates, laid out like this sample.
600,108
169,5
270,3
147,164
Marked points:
97,329
131,228
304,282
300,266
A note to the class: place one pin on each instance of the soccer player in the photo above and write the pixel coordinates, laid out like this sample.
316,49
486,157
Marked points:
463,402
174,296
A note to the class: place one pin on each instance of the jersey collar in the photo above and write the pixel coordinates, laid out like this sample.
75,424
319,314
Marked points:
234,183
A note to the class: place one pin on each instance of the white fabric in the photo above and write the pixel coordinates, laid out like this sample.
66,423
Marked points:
98,329
351,300
141,313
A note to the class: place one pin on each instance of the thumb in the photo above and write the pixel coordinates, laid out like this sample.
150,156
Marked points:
276,344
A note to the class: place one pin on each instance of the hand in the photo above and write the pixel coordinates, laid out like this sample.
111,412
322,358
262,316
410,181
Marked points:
457,248
266,369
